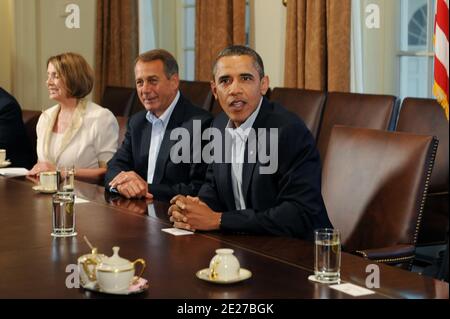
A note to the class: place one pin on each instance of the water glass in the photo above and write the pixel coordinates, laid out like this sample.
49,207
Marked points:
327,255
63,214
66,178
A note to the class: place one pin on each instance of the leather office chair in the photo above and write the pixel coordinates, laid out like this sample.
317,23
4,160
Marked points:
30,119
307,104
425,116
358,110
374,185
198,92
117,99
122,121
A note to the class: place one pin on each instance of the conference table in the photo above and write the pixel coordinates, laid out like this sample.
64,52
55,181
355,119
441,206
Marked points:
33,264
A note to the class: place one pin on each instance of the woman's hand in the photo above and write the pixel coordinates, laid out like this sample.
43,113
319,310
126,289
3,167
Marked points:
41,167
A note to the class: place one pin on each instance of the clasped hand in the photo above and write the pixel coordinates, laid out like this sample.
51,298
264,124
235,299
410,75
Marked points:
191,213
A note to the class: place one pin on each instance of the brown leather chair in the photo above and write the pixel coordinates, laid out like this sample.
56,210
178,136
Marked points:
425,116
307,104
117,99
122,121
374,185
198,92
30,119
358,110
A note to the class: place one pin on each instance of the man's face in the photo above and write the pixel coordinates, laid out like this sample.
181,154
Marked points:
237,87
155,90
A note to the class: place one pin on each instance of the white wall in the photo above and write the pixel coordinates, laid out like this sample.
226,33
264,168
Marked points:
40,32
6,42
269,27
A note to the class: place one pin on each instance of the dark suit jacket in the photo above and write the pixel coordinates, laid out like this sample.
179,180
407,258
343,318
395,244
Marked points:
286,203
170,178
13,136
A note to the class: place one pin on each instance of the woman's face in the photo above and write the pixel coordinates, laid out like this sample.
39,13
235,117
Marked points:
56,89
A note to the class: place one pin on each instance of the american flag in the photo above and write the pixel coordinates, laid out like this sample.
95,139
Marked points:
440,86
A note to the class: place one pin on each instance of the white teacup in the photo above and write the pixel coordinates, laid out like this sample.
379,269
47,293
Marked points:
2,156
48,180
224,266
116,274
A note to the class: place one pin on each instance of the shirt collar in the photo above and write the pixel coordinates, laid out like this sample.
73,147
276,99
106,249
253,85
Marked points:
244,129
165,117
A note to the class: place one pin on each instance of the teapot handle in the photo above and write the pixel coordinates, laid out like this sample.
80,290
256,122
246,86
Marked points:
91,274
142,262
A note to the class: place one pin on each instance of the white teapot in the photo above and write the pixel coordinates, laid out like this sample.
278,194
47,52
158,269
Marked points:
116,274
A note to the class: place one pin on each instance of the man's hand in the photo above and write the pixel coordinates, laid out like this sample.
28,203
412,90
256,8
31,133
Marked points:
131,185
192,214
41,167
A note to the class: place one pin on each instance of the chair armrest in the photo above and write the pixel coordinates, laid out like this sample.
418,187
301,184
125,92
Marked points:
392,254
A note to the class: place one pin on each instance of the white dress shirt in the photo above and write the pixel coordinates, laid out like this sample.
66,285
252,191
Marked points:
239,137
159,125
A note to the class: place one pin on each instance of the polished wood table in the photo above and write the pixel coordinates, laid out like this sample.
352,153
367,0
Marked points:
33,264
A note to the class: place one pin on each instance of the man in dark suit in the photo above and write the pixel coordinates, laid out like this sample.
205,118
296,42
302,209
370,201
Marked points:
142,166
280,197
13,136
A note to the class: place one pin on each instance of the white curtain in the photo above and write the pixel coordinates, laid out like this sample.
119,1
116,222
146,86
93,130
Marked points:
356,56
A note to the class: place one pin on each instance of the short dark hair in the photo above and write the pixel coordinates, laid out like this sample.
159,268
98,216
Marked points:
75,72
169,62
238,50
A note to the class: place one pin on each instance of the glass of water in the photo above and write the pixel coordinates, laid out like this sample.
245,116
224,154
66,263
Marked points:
66,178
327,255
63,214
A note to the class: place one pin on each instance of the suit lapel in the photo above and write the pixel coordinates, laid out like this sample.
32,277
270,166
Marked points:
249,167
175,120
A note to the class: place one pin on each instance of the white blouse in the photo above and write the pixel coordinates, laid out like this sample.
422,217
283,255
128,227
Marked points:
90,141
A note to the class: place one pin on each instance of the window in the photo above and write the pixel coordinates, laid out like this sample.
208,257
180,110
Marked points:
416,48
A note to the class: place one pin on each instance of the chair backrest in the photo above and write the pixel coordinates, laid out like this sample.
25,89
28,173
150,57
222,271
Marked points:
117,99
122,121
307,104
425,116
30,119
198,92
374,184
352,109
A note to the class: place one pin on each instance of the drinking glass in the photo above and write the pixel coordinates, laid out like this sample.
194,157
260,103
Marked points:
63,214
327,255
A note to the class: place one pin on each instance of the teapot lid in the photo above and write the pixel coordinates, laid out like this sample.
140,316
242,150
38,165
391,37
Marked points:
115,262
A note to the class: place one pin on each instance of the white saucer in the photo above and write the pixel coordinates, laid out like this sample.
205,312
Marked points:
137,288
5,164
313,278
40,189
204,275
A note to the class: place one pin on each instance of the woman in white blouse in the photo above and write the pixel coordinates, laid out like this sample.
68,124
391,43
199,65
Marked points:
75,131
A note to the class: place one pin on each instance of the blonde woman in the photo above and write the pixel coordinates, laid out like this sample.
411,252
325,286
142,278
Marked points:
75,131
